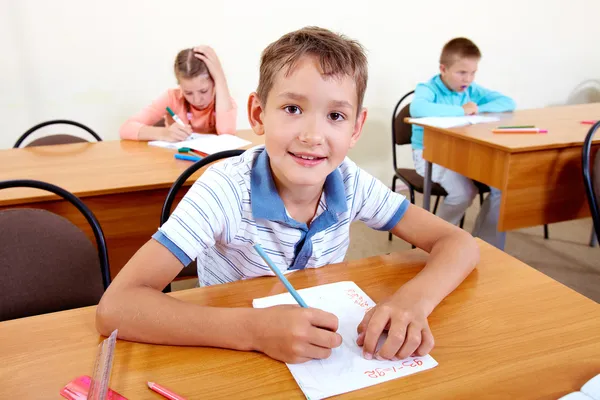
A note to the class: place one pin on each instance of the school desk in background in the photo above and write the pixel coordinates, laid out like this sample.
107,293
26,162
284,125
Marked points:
539,175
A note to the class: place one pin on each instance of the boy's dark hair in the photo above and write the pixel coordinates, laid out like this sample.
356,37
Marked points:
337,56
458,48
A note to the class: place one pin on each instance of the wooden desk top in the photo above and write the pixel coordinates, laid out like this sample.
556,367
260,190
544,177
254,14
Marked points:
507,332
91,169
563,123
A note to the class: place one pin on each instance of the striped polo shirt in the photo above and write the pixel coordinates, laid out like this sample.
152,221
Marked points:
235,204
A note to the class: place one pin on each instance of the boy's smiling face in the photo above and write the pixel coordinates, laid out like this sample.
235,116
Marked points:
310,121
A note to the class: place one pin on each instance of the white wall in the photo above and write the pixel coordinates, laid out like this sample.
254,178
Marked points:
99,62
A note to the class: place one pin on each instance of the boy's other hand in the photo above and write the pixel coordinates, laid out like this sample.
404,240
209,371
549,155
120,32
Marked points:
407,326
470,108
294,335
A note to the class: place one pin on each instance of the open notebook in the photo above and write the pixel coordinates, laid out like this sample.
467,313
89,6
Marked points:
206,143
589,391
451,122
346,369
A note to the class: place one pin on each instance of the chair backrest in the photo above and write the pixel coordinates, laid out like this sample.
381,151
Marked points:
190,270
25,249
168,204
401,131
48,264
55,139
591,177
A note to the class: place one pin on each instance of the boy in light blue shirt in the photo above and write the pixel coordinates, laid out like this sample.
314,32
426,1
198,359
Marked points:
453,93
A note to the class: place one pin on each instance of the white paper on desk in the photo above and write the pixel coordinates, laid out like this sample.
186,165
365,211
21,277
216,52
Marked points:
346,369
206,143
592,388
451,122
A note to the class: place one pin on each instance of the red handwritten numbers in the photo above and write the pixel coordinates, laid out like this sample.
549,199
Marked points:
358,299
379,372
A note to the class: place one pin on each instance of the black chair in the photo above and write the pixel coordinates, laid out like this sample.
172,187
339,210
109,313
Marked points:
49,264
57,138
401,135
190,270
591,177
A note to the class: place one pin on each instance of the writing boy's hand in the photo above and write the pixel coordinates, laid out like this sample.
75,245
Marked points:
470,108
407,326
295,335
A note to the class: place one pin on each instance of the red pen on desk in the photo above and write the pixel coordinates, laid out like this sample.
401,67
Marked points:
164,391
589,122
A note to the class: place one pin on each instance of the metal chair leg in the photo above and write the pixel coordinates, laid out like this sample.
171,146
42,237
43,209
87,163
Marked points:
437,201
593,239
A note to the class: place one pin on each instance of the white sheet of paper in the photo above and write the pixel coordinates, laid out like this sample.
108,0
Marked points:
346,369
205,143
576,396
451,122
592,388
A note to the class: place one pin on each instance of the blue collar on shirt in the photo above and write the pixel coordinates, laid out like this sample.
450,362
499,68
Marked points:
267,204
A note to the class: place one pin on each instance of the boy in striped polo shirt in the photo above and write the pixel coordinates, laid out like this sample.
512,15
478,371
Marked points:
296,196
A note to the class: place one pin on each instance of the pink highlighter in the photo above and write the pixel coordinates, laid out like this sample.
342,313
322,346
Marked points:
79,387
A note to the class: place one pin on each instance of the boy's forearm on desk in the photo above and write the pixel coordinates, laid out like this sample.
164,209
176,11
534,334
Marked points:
145,315
450,261
503,104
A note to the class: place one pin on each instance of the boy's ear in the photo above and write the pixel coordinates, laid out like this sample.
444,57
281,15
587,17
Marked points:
358,126
442,68
255,114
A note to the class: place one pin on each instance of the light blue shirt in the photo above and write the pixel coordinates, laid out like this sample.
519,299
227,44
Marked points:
235,204
434,99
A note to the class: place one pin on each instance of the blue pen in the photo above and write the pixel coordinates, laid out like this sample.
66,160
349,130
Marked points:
281,277
187,157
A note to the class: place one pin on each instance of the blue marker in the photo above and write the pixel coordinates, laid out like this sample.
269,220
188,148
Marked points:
281,277
186,157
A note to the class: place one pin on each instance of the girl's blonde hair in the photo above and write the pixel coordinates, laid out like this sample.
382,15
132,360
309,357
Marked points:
187,66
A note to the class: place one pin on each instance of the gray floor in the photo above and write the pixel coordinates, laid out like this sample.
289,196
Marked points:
566,256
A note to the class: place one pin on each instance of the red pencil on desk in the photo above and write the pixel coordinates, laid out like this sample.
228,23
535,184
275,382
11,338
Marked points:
200,153
588,122
164,391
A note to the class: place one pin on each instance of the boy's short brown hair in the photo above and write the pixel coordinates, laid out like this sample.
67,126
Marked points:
458,48
337,55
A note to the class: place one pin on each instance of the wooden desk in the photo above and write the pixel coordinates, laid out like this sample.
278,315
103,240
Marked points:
539,175
507,332
124,183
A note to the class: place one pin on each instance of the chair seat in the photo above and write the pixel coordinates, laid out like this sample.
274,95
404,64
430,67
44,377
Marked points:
416,181
191,271
482,187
